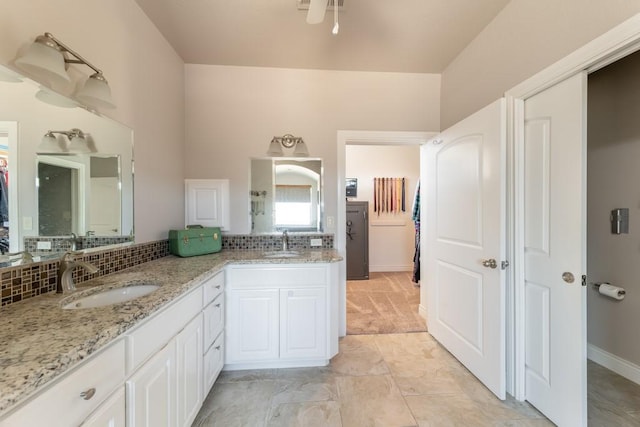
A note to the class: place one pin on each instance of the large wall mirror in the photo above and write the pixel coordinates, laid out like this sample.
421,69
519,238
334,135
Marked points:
286,194
71,185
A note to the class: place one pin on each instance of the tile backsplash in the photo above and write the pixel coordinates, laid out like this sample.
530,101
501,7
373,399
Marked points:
273,242
22,282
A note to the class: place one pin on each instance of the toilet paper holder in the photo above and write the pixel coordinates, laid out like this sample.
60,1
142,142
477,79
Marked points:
620,292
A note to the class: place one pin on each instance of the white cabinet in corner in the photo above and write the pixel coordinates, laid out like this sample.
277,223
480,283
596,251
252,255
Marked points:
280,315
207,202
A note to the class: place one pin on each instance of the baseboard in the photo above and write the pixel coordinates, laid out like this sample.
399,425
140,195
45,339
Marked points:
620,366
422,311
390,268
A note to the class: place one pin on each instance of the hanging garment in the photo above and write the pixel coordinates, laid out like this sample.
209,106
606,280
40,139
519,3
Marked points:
415,216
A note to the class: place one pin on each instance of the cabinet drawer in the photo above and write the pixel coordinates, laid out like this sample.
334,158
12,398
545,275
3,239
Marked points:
213,321
150,337
213,362
212,288
62,405
274,276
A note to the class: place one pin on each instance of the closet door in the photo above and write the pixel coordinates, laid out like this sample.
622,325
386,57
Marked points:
555,252
464,236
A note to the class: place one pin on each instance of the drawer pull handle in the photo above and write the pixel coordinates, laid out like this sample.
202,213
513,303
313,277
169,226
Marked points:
218,287
218,348
86,395
218,305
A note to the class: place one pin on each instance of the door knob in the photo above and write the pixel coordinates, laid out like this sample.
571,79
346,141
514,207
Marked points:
568,277
490,263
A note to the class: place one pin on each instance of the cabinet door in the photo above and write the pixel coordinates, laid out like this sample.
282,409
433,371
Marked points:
110,414
207,202
252,326
189,371
303,323
213,362
151,391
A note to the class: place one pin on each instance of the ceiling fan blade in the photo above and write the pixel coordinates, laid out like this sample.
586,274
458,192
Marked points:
317,8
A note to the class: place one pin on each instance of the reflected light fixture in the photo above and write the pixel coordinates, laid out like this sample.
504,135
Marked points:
48,58
287,141
52,144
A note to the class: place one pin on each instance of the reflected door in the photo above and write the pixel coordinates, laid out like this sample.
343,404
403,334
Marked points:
104,209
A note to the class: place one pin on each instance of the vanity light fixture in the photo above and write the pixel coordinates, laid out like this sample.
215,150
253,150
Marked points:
287,141
48,58
78,142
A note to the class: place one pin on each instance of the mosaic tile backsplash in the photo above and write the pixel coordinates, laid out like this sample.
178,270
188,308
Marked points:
22,282
273,242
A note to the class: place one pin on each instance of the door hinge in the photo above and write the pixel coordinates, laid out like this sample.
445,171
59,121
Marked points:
504,265
584,280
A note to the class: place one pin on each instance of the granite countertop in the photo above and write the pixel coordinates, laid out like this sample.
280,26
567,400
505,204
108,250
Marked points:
39,340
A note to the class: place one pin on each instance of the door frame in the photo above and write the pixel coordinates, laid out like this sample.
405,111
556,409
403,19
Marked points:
356,137
613,45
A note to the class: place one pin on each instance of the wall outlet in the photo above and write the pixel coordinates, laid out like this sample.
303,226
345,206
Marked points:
314,243
331,222
43,245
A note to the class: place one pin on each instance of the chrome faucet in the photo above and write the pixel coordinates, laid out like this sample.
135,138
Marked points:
285,240
65,272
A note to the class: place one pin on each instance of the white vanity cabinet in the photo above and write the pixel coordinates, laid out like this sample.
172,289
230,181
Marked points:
281,315
72,398
214,324
110,414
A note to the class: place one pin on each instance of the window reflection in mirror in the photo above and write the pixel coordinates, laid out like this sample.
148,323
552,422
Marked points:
286,193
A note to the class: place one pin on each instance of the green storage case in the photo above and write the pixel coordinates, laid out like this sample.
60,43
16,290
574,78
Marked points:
195,240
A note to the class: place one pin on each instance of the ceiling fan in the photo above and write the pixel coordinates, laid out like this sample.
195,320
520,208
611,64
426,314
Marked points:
318,8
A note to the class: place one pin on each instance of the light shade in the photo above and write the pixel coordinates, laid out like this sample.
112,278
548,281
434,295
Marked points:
301,149
79,145
50,144
45,60
96,92
275,149
53,98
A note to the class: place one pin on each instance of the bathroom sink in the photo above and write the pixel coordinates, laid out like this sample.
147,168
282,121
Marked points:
111,296
281,254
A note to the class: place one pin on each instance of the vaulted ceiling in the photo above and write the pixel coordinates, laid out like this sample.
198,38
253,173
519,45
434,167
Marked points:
418,36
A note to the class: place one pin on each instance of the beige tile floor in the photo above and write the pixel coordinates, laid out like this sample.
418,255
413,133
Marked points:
375,380
613,400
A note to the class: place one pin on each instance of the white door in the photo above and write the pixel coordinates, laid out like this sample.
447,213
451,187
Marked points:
463,223
104,209
555,255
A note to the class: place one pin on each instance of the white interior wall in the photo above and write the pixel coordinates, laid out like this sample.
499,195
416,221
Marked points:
613,174
524,38
391,235
233,112
146,77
